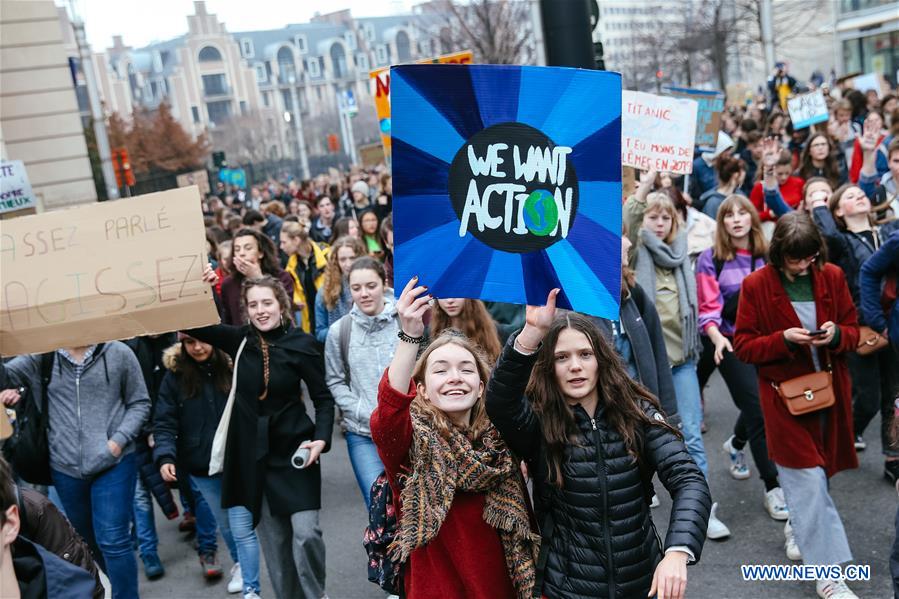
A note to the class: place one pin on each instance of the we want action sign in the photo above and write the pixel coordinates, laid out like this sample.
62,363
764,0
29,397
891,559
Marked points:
507,183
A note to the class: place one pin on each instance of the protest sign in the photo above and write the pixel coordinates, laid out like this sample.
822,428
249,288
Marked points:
15,189
708,115
657,132
233,176
738,94
873,81
104,271
808,109
380,80
505,187
199,178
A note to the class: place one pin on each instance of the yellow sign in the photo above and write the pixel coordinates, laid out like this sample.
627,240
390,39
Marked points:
380,79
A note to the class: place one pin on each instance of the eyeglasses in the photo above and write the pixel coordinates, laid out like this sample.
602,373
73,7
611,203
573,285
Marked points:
808,260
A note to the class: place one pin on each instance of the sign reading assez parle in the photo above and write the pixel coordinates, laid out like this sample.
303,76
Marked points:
102,272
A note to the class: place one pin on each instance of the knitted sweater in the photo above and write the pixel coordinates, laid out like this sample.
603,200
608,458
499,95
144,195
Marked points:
713,291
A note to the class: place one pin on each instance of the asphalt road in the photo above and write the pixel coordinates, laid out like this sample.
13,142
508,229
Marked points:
865,500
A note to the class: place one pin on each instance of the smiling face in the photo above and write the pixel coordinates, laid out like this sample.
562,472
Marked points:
451,381
452,306
575,365
345,257
263,308
658,222
367,290
738,222
853,202
247,248
369,223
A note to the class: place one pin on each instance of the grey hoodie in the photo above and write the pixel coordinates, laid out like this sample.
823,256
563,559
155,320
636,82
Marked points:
108,402
372,343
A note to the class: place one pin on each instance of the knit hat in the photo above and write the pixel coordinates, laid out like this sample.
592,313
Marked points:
724,143
361,187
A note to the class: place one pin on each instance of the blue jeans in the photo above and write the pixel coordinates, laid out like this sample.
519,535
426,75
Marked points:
144,521
236,524
689,408
367,465
100,508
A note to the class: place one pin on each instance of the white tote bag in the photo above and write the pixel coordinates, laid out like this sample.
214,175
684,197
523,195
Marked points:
217,459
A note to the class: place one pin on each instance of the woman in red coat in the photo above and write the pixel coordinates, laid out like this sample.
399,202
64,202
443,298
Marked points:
795,317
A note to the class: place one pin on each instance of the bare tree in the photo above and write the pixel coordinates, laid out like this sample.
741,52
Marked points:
496,31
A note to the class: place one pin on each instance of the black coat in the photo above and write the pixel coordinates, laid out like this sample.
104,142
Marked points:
640,320
264,434
599,538
184,427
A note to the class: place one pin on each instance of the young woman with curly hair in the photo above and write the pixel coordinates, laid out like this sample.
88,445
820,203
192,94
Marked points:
334,299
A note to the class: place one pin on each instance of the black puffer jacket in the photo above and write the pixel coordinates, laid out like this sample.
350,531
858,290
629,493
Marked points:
599,537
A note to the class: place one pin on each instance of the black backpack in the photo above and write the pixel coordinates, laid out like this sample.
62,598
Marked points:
378,536
28,450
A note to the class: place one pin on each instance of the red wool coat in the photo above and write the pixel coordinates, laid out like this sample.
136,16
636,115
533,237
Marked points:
823,438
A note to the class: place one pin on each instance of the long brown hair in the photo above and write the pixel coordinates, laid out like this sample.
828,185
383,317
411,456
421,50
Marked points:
831,168
478,421
333,281
268,282
477,325
193,376
724,247
620,395
268,262
834,204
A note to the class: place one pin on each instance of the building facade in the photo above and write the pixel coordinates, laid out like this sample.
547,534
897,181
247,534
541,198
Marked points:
868,37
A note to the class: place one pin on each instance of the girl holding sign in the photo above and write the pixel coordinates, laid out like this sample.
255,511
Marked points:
267,424
463,525
592,439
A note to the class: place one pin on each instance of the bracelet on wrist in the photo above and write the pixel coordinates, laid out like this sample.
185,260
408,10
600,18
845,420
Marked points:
408,338
530,350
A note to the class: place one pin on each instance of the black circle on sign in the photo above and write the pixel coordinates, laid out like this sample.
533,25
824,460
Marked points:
460,177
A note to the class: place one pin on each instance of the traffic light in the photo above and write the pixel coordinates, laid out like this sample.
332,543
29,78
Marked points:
597,54
218,159
124,174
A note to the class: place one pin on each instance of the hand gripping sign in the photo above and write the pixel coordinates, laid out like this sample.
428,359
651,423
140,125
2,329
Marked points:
507,183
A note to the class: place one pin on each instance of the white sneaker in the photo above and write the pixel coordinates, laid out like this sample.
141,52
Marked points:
235,585
776,504
251,595
656,503
738,468
790,545
717,530
834,589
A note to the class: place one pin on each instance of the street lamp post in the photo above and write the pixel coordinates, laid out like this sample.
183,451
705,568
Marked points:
298,126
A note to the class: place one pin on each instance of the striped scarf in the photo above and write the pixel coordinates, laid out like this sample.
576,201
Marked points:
440,467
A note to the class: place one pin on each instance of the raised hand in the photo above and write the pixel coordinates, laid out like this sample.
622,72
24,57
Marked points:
770,152
412,306
538,319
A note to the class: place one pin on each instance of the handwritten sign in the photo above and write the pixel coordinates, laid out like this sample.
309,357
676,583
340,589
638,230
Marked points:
808,109
710,104
870,81
103,271
15,189
505,189
380,81
657,132
199,178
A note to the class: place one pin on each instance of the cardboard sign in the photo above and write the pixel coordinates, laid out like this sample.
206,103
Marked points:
199,178
657,132
103,271
15,189
808,109
380,81
710,104
873,81
505,187
738,94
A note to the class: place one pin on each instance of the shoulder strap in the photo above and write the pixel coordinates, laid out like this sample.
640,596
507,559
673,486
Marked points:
346,329
719,265
47,361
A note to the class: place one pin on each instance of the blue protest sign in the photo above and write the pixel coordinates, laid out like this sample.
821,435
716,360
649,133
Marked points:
507,183
708,118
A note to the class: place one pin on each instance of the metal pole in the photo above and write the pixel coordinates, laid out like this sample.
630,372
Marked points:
99,121
298,130
767,33
344,139
354,158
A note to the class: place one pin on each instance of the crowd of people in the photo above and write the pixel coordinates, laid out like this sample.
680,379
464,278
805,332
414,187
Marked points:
510,451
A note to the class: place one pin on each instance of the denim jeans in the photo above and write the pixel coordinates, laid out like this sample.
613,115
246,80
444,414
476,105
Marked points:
367,465
689,408
144,521
100,508
236,524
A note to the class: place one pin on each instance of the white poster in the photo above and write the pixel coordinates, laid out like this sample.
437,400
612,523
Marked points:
15,189
657,132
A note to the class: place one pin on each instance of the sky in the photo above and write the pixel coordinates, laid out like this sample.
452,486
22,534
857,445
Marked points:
143,21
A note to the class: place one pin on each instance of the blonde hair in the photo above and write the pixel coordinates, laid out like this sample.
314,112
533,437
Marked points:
724,247
477,421
333,278
659,201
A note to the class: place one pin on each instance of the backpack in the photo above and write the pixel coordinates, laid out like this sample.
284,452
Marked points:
346,330
378,535
28,450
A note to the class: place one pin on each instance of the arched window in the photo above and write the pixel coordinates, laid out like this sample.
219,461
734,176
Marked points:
338,59
210,54
403,47
286,66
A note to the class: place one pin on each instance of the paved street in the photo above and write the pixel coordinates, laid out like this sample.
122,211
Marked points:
866,502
